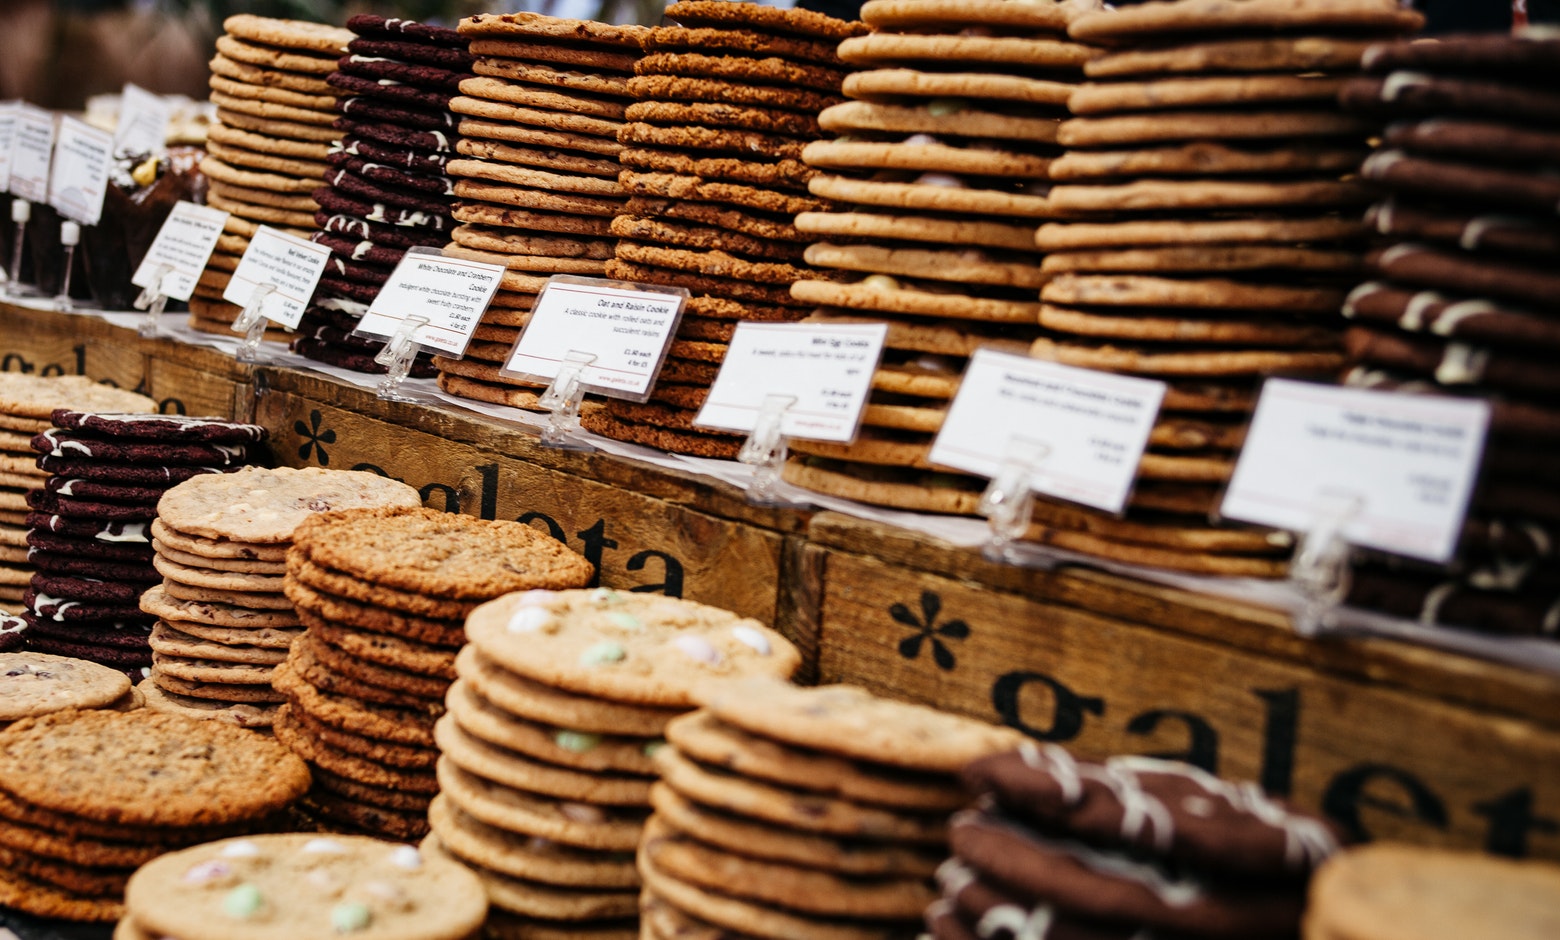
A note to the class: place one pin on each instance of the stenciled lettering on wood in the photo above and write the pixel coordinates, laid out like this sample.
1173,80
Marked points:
1380,762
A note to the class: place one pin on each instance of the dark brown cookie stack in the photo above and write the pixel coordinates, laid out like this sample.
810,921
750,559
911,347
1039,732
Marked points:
383,594
790,812
1465,297
536,172
941,175
89,536
386,190
1212,173
266,150
728,95
548,747
1131,847
87,796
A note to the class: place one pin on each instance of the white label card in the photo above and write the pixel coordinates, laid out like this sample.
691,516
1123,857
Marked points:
8,112
31,152
1405,463
826,367
184,244
143,121
287,263
1085,431
79,180
451,293
626,329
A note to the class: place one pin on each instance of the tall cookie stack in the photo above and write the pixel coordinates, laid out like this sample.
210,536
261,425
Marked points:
1215,171
788,812
537,172
27,403
727,98
1130,847
942,173
386,189
266,150
86,796
383,594
1465,298
89,535
223,621
546,770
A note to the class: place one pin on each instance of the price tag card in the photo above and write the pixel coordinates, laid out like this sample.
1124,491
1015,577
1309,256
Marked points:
1087,429
287,263
1407,463
451,293
143,122
79,179
627,327
8,111
184,244
32,151
826,367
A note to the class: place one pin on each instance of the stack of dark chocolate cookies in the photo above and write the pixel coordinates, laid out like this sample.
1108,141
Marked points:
1466,298
1212,173
789,812
383,594
536,173
942,175
727,99
386,190
89,537
1131,847
266,150
550,740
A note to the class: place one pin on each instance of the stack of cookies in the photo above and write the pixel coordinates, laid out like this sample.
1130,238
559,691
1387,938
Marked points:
86,796
1131,847
292,885
727,99
27,404
536,173
266,150
941,171
1212,173
546,770
1466,298
223,621
386,190
383,594
789,812
89,539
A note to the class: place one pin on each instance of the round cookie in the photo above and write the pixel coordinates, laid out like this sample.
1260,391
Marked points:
354,716
265,506
518,856
583,750
575,824
1162,19
545,704
37,683
513,769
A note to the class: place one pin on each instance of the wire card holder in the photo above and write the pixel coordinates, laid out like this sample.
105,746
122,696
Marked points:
154,300
562,399
1009,500
397,357
251,323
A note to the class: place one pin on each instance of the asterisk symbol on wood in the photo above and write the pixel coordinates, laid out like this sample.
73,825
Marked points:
927,628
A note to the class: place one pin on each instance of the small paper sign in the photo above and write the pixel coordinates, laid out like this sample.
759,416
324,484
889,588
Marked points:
287,263
826,367
32,151
1085,431
143,122
8,111
184,245
451,293
626,329
79,179
1406,463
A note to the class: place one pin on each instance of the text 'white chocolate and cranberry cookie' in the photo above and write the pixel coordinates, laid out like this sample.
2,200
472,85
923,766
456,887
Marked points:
224,624
1115,849
86,796
1461,299
265,154
386,190
274,887
793,812
548,745
383,594
89,532
726,97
